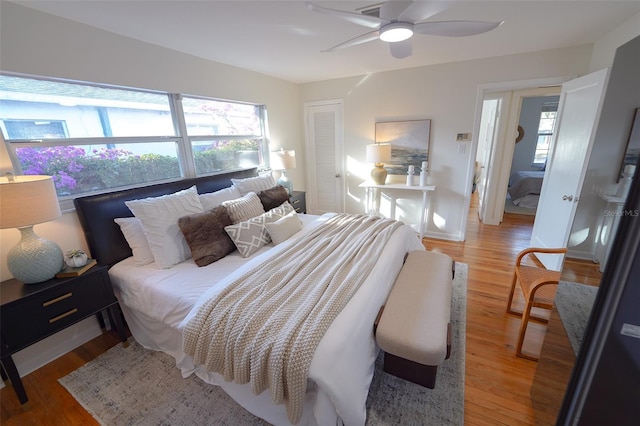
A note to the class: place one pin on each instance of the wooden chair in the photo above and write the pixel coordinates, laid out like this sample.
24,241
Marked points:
538,285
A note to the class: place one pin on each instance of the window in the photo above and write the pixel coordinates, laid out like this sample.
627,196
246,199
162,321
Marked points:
224,135
545,133
92,138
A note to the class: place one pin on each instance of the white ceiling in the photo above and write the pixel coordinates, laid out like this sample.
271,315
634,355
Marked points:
285,39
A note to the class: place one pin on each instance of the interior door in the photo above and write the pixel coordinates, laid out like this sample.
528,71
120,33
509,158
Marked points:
325,160
577,120
486,139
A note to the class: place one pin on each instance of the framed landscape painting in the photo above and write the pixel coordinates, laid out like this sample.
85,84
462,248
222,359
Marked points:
409,144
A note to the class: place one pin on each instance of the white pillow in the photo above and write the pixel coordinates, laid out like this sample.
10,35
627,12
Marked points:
131,228
244,208
250,235
283,228
211,200
254,184
159,217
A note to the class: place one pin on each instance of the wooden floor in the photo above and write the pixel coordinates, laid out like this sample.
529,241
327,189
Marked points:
497,383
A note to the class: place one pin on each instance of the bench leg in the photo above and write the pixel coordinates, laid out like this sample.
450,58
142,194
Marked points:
424,375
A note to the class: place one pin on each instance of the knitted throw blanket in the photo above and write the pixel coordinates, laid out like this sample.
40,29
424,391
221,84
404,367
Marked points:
264,327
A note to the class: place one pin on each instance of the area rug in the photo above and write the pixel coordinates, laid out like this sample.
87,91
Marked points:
136,386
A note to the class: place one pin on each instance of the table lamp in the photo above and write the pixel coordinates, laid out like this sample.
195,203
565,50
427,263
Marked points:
24,202
283,160
378,153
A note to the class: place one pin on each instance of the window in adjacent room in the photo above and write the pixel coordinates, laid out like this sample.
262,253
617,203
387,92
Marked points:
93,138
545,133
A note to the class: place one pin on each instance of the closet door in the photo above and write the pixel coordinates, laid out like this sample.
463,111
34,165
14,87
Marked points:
325,160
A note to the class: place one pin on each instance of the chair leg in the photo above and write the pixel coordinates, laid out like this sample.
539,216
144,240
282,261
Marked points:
513,289
523,330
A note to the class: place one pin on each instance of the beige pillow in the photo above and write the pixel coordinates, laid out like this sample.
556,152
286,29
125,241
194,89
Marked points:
283,228
244,208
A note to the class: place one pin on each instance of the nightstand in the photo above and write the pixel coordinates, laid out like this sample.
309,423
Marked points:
31,312
298,200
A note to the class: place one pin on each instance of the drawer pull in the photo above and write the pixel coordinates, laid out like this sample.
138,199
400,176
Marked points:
66,314
57,299
296,201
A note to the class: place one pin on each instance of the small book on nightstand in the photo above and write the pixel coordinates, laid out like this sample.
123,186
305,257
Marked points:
75,272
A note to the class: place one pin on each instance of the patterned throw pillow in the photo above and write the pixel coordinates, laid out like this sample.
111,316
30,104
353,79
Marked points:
250,235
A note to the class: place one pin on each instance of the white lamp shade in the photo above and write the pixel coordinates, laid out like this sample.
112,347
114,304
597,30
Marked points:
283,159
378,153
27,200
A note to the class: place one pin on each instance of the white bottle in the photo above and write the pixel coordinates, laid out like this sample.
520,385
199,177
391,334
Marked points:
410,175
424,173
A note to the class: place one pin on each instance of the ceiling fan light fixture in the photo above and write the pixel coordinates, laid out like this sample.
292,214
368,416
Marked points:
396,31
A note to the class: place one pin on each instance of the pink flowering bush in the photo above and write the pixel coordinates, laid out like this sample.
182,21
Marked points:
76,171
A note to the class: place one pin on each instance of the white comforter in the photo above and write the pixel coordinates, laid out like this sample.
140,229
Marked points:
160,302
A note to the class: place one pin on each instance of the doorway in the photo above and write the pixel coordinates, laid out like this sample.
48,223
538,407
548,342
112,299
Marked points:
500,130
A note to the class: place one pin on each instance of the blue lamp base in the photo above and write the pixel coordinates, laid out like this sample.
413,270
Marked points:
285,182
34,259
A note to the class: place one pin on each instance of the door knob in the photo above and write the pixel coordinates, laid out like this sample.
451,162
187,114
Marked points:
567,198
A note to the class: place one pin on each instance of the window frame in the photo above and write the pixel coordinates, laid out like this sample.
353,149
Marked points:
183,141
548,134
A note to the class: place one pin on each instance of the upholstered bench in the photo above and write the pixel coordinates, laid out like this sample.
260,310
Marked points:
413,328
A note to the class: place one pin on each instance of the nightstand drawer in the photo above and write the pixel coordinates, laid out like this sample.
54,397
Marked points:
34,318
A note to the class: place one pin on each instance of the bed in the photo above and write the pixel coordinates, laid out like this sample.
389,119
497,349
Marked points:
524,188
159,304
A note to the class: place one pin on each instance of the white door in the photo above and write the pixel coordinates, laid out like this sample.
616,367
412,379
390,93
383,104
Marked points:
576,123
325,159
487,136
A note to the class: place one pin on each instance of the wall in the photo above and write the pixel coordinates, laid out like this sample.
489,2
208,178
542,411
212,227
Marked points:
36,43
446,94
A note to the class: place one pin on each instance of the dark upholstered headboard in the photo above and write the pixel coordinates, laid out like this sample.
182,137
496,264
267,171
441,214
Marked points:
97,212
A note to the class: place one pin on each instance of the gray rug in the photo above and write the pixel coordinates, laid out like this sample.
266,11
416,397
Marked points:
574,302
135,386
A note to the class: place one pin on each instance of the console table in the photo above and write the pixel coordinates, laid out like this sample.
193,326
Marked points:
393,190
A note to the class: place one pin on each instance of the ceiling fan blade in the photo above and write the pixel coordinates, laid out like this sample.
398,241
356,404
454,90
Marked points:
401,49
364,38
355,18
421,10
455,28
391,10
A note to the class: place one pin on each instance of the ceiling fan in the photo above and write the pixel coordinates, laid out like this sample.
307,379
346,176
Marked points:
395,22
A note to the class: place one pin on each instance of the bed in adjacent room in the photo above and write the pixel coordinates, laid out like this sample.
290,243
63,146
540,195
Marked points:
524,188
180,297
